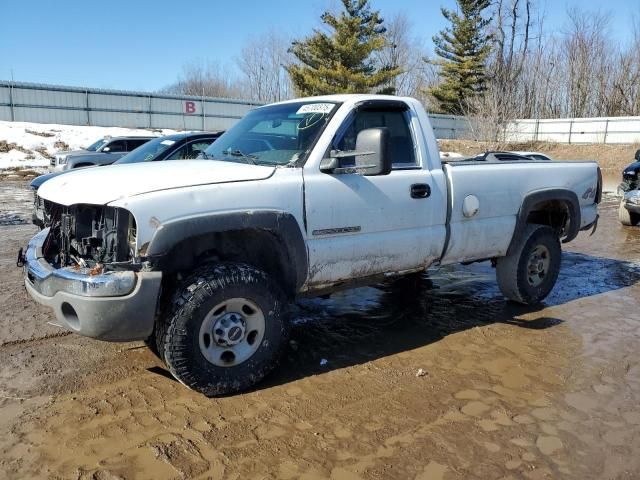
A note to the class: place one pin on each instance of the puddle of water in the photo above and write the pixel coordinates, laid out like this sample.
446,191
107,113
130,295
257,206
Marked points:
16,203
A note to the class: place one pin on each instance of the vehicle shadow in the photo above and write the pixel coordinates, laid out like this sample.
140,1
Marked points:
360,325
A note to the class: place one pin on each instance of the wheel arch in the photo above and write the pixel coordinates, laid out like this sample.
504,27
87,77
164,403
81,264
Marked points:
270,240
557,208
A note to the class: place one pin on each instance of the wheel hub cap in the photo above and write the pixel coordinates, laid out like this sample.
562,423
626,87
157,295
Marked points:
538,265
231,332
229,329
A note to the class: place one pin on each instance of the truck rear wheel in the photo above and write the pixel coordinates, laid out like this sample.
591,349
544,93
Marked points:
530,272
626,217
228,329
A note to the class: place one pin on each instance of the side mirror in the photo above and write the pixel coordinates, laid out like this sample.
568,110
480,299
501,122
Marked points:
372,155
637,157
372,152
106,149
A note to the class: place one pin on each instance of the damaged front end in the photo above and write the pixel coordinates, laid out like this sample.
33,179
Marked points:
83,266
93,237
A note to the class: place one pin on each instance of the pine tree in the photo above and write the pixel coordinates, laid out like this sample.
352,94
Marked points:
463,48
342,62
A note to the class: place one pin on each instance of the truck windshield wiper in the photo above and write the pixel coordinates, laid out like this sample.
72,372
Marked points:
238,153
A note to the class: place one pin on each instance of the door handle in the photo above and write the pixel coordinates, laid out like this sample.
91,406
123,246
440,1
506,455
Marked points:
420,190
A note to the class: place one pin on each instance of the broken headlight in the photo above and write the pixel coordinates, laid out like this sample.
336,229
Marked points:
91,235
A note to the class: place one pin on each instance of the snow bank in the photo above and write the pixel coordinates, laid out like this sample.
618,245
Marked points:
33,141
450,155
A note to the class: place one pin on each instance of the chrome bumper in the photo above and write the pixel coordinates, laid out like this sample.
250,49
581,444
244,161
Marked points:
114,306
49,281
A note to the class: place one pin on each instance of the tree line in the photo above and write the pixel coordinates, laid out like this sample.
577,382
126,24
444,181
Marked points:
494,60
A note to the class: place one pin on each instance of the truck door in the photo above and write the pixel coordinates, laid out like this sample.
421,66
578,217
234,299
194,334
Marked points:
357,225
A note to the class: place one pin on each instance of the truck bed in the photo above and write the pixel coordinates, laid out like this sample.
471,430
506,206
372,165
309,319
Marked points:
499,188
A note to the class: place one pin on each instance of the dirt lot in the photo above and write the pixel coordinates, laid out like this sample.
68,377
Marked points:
506,391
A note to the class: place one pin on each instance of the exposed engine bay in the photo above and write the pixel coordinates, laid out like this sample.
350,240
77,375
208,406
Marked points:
87,236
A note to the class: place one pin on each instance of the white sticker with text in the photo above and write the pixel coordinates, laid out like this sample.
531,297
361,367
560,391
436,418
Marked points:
315,108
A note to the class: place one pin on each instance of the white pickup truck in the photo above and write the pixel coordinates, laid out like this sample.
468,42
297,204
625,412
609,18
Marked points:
201,257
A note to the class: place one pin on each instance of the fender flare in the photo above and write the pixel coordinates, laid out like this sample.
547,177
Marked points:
534,198
282,224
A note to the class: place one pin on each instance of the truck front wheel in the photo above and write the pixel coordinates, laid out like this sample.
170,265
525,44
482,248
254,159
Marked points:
530,272
228,329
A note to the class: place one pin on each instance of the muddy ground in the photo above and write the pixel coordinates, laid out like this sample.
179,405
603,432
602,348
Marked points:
504,391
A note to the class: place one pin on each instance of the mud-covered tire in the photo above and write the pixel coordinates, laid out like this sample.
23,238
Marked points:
194,305
513,271
626,217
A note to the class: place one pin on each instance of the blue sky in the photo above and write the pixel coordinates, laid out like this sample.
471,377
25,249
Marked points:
142,45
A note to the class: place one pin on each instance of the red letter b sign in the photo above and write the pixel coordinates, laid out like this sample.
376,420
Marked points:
190,107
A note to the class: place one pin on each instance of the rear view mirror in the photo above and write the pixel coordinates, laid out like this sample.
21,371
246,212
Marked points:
638,155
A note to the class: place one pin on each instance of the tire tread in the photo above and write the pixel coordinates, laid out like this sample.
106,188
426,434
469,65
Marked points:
197,287
507,268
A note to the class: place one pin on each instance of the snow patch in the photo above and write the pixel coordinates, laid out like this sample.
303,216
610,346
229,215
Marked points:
25,137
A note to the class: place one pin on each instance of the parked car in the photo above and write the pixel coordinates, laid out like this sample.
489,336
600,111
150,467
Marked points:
179,146
103,152
534,155
299,198
630,176
491,156
629,209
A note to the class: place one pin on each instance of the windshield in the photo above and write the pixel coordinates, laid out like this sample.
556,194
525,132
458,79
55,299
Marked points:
95,146
148,151
273,135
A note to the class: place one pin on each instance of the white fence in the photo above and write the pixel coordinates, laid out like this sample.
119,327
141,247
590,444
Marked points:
610,130
27,102
576,130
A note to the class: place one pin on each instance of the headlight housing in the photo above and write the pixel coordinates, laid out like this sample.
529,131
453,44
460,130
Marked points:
88,235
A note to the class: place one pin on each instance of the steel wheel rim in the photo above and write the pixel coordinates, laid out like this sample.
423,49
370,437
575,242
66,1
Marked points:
231,332
538,265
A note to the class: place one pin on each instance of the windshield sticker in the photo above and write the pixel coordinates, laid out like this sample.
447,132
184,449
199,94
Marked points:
167,142
316,108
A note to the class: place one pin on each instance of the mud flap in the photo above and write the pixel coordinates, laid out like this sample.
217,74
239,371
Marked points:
20,262
595,225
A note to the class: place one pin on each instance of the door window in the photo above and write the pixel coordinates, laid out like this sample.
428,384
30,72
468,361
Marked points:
200,146
191,150
117,146
401,141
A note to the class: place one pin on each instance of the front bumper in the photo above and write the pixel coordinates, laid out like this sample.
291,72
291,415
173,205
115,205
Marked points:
114,306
